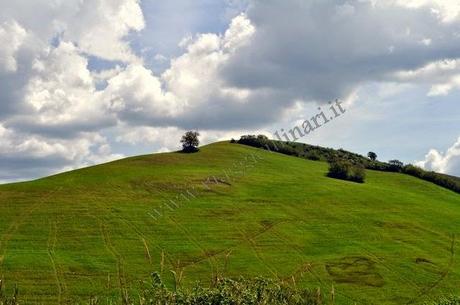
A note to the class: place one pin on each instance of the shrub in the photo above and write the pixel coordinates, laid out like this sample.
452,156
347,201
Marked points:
227,291
345,170
413,170
312,155
395,165
357,174
339,169
5,300
259,291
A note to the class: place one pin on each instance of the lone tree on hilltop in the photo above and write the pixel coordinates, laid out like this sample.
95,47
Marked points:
372,155
190,141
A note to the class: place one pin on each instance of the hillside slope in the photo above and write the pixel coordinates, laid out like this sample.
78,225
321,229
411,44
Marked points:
88,232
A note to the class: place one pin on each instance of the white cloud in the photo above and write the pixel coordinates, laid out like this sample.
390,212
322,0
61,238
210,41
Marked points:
192,84
135,90
447,163
446,10
165,138
52,109
98,27
61,96
443,76
12,35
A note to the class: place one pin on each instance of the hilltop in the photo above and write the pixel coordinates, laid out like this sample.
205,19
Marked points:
228,210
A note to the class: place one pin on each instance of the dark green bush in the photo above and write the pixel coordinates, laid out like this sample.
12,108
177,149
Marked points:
395,165
357,174
413,170
313,155
345,170
339,169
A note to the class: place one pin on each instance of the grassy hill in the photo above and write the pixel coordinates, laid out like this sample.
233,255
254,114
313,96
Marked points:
99,230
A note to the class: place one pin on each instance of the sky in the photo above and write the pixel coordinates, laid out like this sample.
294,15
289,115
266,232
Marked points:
84,82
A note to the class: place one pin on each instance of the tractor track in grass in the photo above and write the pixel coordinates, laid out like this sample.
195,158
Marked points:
376,258
210,258
16,224
308,267
445,273
58,274
250,241
424,291
119,262
206,256
171,261
142,237
380,262
226,250
118,258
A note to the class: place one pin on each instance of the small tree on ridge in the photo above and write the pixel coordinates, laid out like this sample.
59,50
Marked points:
190,141
372,155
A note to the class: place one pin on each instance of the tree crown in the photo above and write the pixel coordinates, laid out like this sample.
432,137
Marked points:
190,141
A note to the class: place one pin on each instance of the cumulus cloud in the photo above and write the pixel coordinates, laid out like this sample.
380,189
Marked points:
97,27
442,76
12,36
325,49
446,10
447,163
51,108
192,93
61,98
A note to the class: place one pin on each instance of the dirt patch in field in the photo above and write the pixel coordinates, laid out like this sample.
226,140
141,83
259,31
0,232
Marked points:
259,201
421,260
267,224
226,213
355,270
393,225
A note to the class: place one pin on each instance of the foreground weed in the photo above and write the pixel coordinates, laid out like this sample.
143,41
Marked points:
5,300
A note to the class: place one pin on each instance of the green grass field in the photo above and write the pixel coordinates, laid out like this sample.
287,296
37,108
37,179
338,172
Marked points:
88,232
